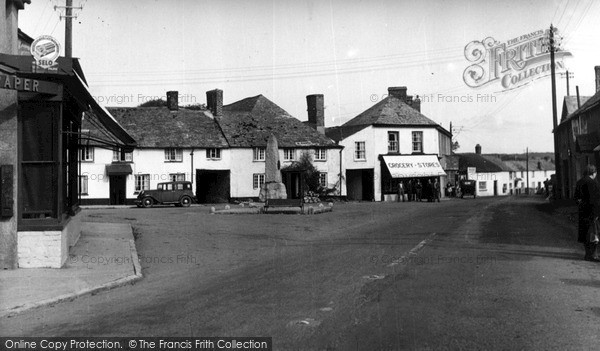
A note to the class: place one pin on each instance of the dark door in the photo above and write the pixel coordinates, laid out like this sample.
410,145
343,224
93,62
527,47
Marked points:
293,184
495,188
368,185
118,189
212,186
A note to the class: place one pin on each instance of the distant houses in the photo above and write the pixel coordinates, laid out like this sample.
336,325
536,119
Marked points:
497,176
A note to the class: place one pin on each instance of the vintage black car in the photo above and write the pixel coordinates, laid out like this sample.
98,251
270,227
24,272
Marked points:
169,193
467,187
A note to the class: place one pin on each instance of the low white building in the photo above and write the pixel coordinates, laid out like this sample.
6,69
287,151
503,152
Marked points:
495,176
220,149
389,143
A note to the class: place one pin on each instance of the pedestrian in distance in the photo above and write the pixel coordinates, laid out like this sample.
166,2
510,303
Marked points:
436,191
429,191
419,188
401,191
587,195
410,190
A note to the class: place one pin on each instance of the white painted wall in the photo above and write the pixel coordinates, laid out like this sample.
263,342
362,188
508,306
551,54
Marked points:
152,161
506,182
376,143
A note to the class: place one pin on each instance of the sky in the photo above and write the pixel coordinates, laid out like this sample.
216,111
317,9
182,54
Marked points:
351,51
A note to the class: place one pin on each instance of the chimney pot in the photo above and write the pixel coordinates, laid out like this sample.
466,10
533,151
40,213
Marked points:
417,104
316,112
478,149
398,92
173,100
214,101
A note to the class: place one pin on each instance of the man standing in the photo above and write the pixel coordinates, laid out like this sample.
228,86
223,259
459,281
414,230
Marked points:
401,191
587,195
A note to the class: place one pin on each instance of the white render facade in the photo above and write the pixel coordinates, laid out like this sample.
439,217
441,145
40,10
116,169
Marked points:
376,143
150,167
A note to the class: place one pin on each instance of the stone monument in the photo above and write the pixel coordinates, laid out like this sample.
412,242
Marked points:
273,187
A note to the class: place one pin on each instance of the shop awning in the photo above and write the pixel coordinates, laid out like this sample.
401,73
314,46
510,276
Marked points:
118,169
413,166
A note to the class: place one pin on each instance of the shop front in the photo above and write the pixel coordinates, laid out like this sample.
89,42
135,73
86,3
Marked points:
40,185
412,171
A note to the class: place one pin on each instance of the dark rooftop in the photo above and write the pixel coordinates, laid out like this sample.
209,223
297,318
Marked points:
155,127
249,122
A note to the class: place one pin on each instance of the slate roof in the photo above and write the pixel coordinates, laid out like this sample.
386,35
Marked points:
158,127
249,122
481,163
590,103
492,163
391,111
570,106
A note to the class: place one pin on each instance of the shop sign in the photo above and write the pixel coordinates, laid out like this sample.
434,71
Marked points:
45,50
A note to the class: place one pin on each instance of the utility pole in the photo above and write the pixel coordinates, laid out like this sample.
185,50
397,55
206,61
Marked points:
68,26
551,42
527,171
69,29
567,75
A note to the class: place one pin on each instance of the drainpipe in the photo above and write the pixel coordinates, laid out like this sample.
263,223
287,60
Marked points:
192,169
341,174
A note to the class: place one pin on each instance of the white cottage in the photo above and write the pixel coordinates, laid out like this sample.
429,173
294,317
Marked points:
220,149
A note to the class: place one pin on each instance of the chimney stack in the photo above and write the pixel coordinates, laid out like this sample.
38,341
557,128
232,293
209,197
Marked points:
417,104
214,101
316,112
398,92
173,100
478,149
597,69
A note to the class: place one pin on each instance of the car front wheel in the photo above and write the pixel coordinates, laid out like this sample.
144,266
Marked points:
147,202
185,201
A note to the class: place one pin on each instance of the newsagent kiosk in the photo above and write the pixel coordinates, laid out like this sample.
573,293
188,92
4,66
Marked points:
41,110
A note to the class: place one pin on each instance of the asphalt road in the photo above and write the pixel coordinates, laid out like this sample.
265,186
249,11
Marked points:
495,273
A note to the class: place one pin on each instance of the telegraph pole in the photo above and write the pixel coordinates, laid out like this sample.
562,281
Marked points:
527,171
558,192
567,75
68,26
69,29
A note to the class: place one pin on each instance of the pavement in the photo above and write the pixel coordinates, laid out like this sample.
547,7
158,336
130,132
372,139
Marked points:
105,257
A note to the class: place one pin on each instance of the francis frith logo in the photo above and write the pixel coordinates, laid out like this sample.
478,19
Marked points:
513,63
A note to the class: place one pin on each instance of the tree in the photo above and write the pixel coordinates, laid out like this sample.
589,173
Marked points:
310,174
154,103
455,146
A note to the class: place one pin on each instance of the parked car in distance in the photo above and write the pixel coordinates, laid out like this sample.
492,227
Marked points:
168,193
467,187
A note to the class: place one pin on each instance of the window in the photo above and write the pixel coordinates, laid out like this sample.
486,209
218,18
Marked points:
173,155
532,174
359,150
417,141
259,154
258,179
289,154
83,185
177,177
521,174
142,182
323,179
482,186
86,154
321,155
213,154
119,156
393,138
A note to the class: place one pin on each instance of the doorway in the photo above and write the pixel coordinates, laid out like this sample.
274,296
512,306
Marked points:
359,184
118,185
212,186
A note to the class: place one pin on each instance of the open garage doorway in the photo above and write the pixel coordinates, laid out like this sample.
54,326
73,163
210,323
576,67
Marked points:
359,184
212,186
